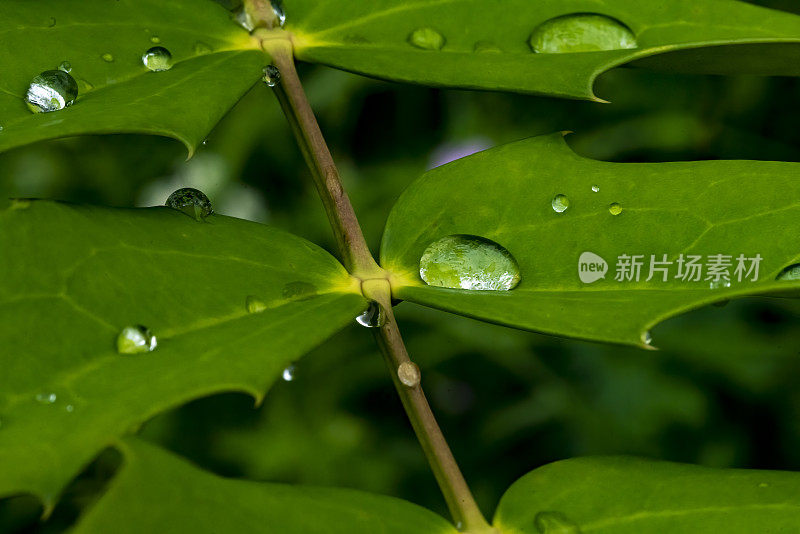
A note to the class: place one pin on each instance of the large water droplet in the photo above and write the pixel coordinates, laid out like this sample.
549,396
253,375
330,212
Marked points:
373,317
409,374
614,208
192,202
792,272
280,13
135,340
157,59
427,39
560,203
108,58
289,373
585,32
255,304
46,398
469,262
52,90
66,66
272,76
555,523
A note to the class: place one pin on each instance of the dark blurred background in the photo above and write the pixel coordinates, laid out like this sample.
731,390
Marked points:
721,391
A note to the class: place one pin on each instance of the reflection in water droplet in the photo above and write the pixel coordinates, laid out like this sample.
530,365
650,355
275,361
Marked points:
289,373
560,203
719,284
192,202
409,374
135,340
469,262
157,59
201,48
486,46
373,317
647,338
155,39
595,189
584,32
108,58
46,398
614,208
255,304
426,39
52,90
555,523
280,13
66,66
272,76
792,272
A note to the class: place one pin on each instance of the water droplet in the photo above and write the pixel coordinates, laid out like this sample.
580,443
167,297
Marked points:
243,19
280,13
614,208
69,408
46,398
272,76
373,317
426,39
157,59
555,523
84,85
108,58
560,203
763,485
595,189
51,22
201,48
155,39
486,46
288,373
469,262
719,284
66,66
584,32
136,339
255,304
792,272
1,128
52,90
192,202
299,290
409,374
647,338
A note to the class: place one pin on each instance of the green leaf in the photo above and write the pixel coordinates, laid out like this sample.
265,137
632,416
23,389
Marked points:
505,194
215,63
179,497
373,38
635,496
71,278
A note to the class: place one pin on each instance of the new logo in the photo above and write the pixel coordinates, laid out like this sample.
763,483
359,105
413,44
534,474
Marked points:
591,267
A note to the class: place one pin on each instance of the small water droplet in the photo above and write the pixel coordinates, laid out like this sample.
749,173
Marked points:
719,284
1,128
373,317
108,58
135,340
46,398
69,408
614,208
560,203
299,290
595,189
66,66
486,46
763,485
586,32
192,202
426,39
84,85
555,523
280,13
52,90
157,59
272,76
469,262
647,338
409,374
155,39
255,304
289,373
243,19
792,272
201,48
51,22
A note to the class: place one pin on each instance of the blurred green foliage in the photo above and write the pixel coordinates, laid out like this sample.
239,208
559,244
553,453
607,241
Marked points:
720,392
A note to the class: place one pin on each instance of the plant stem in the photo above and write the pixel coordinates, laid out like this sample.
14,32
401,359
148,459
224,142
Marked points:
375,286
